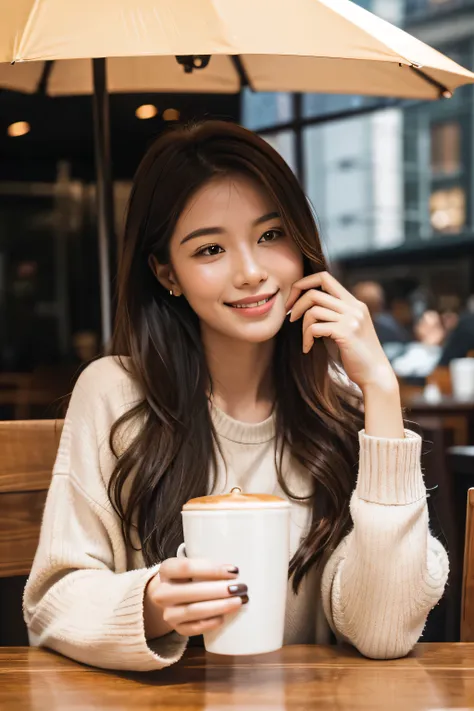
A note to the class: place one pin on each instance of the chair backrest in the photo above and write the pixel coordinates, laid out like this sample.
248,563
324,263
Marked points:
27,453
467,604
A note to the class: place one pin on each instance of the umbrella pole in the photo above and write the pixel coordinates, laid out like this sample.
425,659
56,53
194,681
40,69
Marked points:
298,140
104,192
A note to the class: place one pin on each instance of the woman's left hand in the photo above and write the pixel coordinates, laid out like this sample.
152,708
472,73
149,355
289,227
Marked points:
330,311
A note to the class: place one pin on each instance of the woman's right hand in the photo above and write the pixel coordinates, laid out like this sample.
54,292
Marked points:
191,597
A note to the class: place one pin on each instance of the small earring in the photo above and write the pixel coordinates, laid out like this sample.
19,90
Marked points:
171,292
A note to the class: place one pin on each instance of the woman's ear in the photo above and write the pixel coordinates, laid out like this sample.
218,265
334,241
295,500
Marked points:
164,274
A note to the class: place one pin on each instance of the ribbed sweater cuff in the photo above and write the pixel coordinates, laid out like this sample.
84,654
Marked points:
73,619
390,470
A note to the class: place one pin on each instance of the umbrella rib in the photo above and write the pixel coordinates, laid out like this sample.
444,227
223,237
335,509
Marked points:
444,92
45,74
241,71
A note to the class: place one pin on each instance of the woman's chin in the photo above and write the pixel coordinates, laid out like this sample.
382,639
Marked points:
258,332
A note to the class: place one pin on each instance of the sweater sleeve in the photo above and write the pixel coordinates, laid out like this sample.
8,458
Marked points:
389,571
80,598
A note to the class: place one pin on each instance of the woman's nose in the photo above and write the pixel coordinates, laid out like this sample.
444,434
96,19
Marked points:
249,271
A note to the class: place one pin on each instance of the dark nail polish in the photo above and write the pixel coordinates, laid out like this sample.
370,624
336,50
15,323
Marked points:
233,569
237,589
245,599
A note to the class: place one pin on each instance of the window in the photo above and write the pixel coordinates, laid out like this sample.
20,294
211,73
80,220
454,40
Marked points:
418,8
283,142
265,109
448,210
354,181
322,104
445,148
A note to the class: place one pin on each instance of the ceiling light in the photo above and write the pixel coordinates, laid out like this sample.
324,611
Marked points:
146,111
171,115
20,128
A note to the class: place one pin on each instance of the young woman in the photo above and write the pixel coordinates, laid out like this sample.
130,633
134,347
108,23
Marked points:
215,386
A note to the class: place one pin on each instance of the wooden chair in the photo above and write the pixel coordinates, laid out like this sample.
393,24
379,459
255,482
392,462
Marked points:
27,453
467,603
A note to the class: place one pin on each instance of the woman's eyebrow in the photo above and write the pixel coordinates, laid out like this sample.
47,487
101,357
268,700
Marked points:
266,218
205,231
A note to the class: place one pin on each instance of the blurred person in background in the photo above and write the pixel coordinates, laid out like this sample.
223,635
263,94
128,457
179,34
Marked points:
420,357
449,307
388,329
421,300
430,329
460,342
401,310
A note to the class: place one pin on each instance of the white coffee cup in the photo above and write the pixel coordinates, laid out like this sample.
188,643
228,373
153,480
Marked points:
462,378
251,531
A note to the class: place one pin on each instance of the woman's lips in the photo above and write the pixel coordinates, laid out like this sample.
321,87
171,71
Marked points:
258,310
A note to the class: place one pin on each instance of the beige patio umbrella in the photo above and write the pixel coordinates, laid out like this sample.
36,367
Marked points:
299,46
330,46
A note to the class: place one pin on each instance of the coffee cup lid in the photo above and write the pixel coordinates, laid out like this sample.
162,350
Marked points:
236,500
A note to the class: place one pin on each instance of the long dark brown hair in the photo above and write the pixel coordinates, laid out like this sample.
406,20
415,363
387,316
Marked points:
172,455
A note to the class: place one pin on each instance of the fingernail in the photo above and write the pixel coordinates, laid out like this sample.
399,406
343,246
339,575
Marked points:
237,589
245,599
232,569
288,313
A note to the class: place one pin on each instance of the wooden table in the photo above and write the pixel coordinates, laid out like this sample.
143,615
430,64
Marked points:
434,676
455,415
446,403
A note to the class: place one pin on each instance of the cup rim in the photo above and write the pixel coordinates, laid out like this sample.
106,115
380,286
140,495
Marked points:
235,508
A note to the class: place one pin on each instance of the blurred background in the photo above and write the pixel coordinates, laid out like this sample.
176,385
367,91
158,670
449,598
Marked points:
390,182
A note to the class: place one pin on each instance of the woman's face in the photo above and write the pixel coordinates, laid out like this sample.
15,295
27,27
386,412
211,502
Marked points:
229,245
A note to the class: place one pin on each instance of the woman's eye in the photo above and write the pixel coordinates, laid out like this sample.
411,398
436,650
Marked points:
271,236
210,251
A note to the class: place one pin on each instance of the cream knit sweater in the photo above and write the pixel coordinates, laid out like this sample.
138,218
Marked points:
84,597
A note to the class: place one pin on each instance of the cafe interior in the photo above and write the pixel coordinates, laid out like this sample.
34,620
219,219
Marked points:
391,184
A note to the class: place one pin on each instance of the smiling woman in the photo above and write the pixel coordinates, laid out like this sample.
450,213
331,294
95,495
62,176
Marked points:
249,267
213,387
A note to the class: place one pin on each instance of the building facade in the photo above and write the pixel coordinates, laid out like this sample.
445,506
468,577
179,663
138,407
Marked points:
438,138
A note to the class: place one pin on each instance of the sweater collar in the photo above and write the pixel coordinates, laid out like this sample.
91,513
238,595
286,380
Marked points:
242,432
